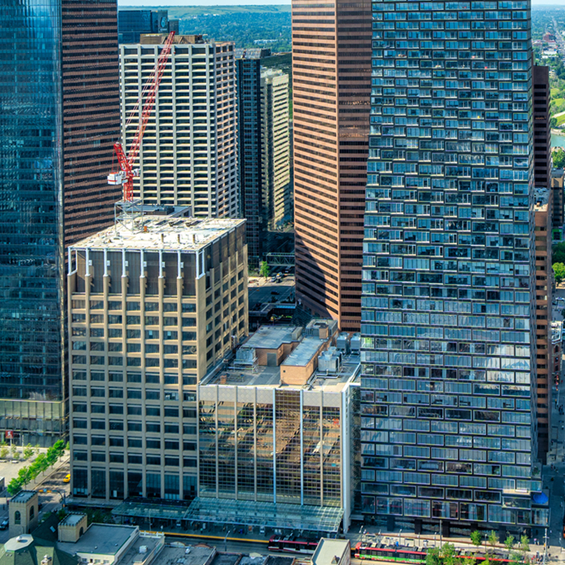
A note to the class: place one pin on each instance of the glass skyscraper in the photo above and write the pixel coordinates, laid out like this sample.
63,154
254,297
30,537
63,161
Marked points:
55,150
448,387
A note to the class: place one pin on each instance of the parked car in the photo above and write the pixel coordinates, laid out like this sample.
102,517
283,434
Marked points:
67,478
4,524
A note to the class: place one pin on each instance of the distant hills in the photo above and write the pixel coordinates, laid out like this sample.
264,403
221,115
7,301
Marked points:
248,26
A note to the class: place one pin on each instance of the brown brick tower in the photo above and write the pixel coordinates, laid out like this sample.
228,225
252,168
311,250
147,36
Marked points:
331,66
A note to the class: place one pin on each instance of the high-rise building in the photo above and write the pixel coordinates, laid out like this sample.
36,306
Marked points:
557,184
542,130
59,119
188,155
449,356
275,154
544,292
264,149
151,310
331,74
134,23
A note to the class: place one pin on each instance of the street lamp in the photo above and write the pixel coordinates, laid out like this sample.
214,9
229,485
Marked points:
226,541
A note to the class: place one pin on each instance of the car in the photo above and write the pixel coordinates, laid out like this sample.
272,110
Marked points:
4,524
67,478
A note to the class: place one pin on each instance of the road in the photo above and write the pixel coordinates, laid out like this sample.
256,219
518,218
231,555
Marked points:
49,501
263,291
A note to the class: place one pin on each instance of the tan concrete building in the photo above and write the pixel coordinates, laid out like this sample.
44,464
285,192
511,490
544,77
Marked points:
275,152
544,293
331,73
188,155
23,512
153,307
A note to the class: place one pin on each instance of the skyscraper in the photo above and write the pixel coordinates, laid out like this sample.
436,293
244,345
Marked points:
448,387
188,155
59,117
331,68
264,151
133,23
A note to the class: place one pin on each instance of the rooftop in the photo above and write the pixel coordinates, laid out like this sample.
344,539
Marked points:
271,376
71,519
271,337
100,539
166,234
303,354
330,549
199,554
18,542
23,497
542,199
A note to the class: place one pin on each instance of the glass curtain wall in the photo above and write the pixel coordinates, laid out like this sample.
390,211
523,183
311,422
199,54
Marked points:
30,204
447,430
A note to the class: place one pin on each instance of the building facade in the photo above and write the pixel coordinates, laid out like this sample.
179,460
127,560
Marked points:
59,120
331,74
545,348
542,130
264,150
188,155
134,23
151,310
449,355
557,183
290,396
275,153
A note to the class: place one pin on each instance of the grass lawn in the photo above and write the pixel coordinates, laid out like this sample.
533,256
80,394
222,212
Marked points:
560,120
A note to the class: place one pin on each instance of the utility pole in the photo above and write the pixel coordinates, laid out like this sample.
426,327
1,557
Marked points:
545,547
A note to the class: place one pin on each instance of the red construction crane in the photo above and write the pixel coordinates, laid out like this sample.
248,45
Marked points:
126,173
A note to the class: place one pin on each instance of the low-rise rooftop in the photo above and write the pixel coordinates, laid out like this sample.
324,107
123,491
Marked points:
161,233
100,539
331,552
271,337
303,354
71,519
23,497
542,199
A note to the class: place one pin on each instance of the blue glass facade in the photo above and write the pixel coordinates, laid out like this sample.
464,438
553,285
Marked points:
30,203
56,148
448,393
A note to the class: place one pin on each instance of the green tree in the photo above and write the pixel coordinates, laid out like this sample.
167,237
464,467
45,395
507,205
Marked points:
558,158
265,269
559,271
492,538
558,253
448,554
476,538
509,543
524,544
3,452
28,451
433,557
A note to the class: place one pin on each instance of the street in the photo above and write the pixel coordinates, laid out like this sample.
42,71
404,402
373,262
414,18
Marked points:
51,481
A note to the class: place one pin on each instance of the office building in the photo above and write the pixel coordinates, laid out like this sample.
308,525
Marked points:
264,150
134,23
448,389
331,73
289,393
542,130
545,348
276,148
557,178
59,120
188,155
152,308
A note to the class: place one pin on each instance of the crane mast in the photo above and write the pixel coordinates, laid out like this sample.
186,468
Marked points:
127,173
